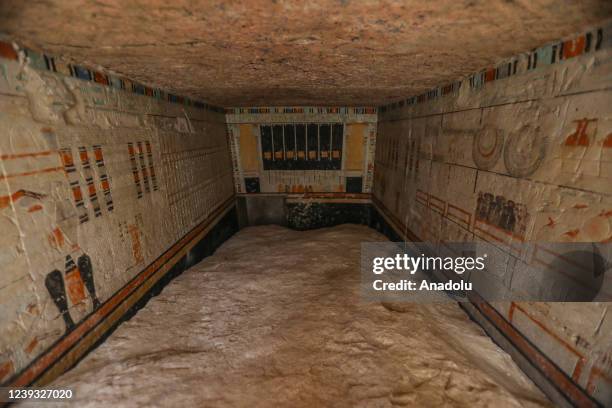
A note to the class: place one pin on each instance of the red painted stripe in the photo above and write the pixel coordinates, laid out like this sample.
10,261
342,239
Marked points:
30,173
55,352
23,155
554,374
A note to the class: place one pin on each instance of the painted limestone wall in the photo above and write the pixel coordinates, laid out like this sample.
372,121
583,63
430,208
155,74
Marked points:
518,152
296,150
98,177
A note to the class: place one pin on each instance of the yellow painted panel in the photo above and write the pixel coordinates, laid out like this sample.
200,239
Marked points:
354,148
249,159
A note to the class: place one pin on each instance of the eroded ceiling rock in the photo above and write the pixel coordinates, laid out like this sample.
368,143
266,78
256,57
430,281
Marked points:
274,52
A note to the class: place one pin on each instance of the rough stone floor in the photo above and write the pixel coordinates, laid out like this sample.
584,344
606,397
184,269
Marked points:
274,318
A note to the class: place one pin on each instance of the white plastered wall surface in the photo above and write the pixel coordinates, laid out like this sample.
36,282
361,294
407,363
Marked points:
95,184
540,139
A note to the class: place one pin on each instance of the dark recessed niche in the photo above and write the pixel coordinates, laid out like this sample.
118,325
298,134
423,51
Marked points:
251,184
353,184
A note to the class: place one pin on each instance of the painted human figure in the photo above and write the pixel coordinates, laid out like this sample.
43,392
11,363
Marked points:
54,282
489,204
508,218
69,286
495,210
86,271
481,206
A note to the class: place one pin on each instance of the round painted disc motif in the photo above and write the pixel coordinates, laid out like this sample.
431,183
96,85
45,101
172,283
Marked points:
487,147
524,151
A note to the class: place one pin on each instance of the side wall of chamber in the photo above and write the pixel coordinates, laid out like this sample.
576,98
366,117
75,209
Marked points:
519,152
104,184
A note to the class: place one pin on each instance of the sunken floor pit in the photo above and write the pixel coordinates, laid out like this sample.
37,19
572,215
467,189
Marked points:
284,325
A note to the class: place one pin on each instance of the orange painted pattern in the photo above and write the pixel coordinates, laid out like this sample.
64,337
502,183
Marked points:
563,383
35,208
54,354
581,358
437,204
76,192
66,157
6,200
136,246
56,238
572,48
596,372
535,356
31,346
98,154
459,214
6,368
75,286
7,51
579,137
30,173
25,155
